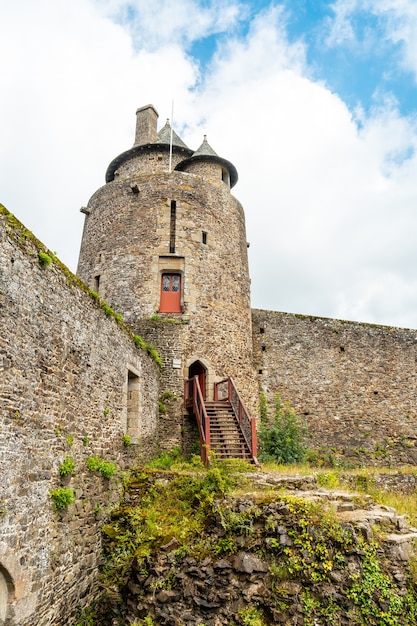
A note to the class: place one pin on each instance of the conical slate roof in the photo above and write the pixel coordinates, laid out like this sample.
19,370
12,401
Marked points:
205,149
164,136
206,153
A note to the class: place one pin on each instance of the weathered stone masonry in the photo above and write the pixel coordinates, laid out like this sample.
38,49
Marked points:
64,392
356,384
73,383
148,221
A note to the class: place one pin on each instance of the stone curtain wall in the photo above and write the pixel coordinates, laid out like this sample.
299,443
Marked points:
354,383
63,392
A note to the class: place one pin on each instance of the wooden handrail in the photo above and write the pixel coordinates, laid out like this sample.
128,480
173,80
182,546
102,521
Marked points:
203,420
216,388
247,423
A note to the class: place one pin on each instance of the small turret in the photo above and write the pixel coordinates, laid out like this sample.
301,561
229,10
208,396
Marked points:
206,162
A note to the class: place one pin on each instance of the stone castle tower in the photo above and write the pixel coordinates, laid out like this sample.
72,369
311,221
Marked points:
164,244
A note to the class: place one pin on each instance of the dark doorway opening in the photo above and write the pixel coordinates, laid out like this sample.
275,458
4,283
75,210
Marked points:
198,369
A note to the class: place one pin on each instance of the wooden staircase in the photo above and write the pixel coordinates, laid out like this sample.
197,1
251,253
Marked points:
226,437
224,425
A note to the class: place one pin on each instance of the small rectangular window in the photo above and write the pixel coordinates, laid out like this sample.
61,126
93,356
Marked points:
133,422
96,284
204,237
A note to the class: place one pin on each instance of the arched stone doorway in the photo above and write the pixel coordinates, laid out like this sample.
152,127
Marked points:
195,366
6,589
198,369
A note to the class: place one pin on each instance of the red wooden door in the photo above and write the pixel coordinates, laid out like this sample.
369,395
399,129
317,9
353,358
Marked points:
170,293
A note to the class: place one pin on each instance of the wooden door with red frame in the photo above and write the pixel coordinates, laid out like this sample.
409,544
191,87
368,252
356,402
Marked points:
170,301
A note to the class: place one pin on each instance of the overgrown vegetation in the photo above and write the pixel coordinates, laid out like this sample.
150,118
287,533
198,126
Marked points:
106,468
67,466
26,240
62,497
180,509
183,503
44,258
139,341
283,437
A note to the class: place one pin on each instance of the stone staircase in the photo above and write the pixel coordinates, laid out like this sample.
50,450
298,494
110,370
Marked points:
226,437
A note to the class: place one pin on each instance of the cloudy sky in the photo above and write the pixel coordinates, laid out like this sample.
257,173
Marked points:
314,101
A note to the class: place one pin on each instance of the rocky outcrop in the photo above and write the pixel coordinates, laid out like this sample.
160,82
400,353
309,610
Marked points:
303,556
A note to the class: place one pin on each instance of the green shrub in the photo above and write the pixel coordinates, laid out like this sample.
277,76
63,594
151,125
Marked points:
44,259
67,466
166,460
62,497
105,468
127,440
264,408
283,438
139,341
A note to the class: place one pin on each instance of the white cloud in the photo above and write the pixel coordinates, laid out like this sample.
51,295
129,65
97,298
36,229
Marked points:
341,28
153,24
325,203
397,23
330,209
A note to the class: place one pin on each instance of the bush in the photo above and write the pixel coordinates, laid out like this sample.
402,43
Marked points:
166,460
67,466
62,498
283,439
105,468
44,259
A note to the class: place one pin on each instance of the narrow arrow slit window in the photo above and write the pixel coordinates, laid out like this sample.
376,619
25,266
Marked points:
172,226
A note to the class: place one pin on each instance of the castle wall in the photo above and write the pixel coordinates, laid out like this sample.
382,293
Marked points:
64,392
354,383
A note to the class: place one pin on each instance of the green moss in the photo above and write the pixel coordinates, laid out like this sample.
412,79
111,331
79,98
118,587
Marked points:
27,242
44,259
154,355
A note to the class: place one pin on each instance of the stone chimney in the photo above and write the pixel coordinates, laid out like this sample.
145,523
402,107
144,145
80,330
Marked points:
146,123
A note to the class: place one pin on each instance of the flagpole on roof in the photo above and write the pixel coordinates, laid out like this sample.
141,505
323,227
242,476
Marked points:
170,139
